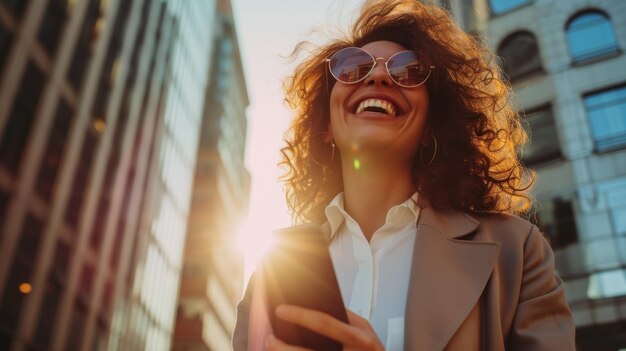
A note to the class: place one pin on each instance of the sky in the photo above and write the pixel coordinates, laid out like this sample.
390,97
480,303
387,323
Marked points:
267,31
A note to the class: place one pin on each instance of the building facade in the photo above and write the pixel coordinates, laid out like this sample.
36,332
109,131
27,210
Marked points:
565,60
212,272
101,107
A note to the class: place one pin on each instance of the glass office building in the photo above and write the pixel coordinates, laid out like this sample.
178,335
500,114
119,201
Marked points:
212,271
101,107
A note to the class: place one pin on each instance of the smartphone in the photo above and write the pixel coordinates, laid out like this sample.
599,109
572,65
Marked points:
298,270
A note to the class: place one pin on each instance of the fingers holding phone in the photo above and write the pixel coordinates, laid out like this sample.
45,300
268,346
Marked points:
298,271
358,334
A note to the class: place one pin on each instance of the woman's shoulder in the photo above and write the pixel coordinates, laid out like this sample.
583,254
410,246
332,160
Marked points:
500,222
480,225
521,246
511,232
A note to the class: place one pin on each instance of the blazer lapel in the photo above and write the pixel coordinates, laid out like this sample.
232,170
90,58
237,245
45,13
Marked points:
448,276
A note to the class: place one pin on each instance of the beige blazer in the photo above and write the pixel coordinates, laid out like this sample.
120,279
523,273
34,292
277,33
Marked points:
477,283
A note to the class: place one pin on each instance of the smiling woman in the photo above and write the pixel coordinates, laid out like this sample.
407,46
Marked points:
403,148
479,135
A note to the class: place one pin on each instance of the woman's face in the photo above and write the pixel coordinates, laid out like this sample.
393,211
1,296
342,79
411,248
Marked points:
396,136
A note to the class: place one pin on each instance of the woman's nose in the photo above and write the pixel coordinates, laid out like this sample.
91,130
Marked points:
379,75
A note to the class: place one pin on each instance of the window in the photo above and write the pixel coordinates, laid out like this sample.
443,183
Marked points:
4,201
520,54
6,39
22,115
606,111
107,299
18,283
52,25
75,202
86,43
15,6
78,322
86,284
544,142
556,220
502,6
54,150
47,315
54,289
590,35
607,284
99,223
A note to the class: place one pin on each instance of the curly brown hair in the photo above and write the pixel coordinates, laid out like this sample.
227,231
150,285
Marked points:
478,131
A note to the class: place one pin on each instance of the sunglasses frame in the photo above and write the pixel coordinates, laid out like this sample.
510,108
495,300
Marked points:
375,61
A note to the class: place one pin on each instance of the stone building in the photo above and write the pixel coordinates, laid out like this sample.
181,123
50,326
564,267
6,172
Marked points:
566,62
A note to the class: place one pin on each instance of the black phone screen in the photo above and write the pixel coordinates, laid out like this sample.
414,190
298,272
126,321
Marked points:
298,271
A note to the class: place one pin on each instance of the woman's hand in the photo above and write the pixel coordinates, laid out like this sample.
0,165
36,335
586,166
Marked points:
356,336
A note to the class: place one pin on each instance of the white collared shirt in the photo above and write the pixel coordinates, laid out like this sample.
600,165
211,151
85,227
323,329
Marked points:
374,277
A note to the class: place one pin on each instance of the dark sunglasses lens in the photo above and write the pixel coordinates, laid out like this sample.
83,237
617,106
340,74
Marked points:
350,65
407,69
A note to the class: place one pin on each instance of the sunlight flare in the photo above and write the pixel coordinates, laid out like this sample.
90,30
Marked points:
253,242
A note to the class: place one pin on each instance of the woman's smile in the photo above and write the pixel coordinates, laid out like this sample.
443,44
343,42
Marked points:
375,105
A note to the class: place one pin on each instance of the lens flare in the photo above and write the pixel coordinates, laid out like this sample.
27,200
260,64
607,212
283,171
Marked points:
253,243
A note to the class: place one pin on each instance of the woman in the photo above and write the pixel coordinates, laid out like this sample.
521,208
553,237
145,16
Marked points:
405,148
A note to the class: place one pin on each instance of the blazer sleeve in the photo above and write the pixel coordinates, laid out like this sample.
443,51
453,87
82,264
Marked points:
240,335
543,320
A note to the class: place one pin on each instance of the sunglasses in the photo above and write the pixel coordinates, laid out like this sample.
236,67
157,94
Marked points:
406,68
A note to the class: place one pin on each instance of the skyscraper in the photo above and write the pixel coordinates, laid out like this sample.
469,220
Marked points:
212,270
101,104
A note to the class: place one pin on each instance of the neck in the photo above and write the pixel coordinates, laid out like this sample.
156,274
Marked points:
372,188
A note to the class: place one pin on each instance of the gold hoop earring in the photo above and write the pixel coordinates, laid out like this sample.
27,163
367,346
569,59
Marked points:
330,161
434,153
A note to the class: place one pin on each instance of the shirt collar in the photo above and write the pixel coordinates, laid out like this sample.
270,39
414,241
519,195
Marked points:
336,214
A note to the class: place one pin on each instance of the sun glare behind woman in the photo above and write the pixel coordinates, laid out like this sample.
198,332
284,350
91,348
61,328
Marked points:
253,242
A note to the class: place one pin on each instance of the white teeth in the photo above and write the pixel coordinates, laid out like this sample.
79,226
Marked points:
389,108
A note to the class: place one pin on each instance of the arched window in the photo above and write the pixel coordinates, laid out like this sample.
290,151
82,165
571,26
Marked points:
520,54
502,6
590,35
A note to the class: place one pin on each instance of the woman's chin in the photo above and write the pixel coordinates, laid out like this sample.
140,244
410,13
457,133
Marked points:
369,140
373,142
